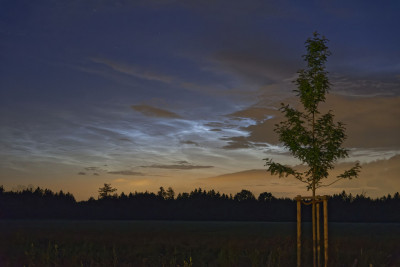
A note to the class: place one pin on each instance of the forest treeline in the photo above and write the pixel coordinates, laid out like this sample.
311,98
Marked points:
199,204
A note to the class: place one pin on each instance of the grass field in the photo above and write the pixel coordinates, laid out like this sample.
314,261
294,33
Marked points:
169,243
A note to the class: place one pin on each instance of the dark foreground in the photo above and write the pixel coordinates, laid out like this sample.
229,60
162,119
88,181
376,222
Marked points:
171,243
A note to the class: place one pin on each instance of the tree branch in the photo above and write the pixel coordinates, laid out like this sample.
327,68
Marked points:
331,183
282,170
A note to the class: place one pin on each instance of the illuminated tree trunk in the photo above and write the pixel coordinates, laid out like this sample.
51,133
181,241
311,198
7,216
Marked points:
313,231
315,204
298,231
318,236
325,200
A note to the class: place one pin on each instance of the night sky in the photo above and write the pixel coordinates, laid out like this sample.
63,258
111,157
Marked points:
143,94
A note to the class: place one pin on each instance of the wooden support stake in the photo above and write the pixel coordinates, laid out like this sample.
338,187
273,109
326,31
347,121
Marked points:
316,228
298,231
313,233
318,235
325,201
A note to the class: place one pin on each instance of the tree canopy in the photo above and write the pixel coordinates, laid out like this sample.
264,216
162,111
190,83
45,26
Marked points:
198,204
106,191
314,138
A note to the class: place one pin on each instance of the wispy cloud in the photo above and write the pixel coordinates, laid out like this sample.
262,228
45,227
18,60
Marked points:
219,125
371,123
255,65
93,169
366,86
237,142
123,73
127,172
133,70
188,142
155,112
183,166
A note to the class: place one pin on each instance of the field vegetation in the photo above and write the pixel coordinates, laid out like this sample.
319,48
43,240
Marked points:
178,243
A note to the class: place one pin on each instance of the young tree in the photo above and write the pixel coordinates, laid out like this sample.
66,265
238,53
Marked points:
105,191
314,138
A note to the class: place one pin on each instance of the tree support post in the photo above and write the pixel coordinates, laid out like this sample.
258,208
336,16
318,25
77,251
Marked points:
318,236
325,201
298,198
316,227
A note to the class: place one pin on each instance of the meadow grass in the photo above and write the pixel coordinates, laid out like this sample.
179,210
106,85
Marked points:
176,243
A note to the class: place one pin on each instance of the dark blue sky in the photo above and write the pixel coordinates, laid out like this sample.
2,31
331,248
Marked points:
151,93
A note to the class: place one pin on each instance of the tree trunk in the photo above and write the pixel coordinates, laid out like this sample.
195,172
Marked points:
313,230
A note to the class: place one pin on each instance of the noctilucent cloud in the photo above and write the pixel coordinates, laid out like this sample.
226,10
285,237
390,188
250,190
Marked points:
143,94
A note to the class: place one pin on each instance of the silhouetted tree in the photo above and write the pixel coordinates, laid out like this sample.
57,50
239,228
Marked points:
198,205
123,196
105,191
161,193
244,195
183,195
170,194
265,197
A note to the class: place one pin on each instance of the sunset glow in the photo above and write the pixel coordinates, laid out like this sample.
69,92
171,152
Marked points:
143,94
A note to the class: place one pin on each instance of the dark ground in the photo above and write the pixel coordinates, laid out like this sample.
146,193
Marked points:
178,243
